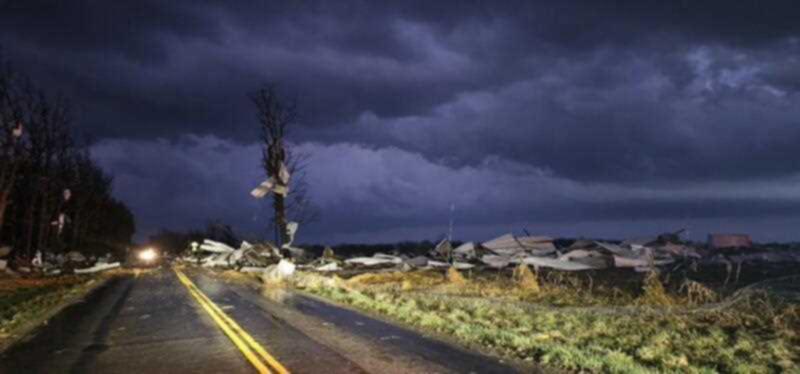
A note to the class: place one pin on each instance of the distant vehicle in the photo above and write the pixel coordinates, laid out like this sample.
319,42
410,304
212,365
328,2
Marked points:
145,257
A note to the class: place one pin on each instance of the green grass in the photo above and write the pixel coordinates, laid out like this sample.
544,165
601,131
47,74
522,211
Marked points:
754,335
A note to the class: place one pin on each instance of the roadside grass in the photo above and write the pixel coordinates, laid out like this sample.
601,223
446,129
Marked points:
560,324
24,301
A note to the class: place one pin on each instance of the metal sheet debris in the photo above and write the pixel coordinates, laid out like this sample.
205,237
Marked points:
97,268
509,245
556,264
370,261
465,251
213,246
264,188
640,254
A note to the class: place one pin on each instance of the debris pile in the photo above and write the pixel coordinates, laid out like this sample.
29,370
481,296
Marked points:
72,262
247,256
271,261
506,251
640,254
98,266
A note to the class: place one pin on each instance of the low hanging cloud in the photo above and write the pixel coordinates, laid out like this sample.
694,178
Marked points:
373,194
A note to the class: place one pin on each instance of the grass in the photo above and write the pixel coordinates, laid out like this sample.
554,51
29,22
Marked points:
562,323
26,300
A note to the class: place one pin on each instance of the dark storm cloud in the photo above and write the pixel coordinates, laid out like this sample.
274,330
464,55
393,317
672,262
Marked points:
106,52
638,95
132,30
725,124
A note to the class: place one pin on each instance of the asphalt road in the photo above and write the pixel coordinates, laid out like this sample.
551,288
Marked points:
156,323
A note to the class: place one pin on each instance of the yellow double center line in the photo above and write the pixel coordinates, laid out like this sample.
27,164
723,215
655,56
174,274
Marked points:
254,352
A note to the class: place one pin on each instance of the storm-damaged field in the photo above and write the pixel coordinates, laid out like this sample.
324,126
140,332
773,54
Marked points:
580,322
655,305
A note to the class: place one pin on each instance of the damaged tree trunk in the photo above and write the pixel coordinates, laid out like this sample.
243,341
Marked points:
275,115
9,171
280,219
275,158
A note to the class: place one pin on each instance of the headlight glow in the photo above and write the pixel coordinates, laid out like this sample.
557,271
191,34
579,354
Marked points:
148,255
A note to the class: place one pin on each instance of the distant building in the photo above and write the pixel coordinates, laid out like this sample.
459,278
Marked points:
719,241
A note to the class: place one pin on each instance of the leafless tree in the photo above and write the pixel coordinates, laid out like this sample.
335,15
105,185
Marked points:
275,116
11,131
39,162
300,208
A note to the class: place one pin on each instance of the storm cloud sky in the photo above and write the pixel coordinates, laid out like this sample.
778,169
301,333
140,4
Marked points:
593,118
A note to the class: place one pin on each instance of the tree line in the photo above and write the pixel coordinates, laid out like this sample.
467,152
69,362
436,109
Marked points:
53,196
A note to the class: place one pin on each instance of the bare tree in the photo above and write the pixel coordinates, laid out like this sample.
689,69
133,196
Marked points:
41,168
275,116
11,131
300,208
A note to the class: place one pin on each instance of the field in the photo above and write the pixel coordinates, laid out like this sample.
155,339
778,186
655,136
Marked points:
622,322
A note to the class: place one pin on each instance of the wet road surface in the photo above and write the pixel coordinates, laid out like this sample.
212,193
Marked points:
152,324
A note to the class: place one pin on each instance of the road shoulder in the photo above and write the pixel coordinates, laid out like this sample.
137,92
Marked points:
33,313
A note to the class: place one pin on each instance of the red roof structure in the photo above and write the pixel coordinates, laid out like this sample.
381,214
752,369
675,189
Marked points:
719,241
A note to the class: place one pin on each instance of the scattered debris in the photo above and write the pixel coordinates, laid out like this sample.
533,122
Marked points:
97,268
647,254
217,247
75,256
278,273
463,265
279,186
465,251
510,245
538,262
496,261
17,132
378,259
418,262
438,264
443,250
328,267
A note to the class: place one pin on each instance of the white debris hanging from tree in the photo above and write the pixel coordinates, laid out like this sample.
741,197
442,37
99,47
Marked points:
279,185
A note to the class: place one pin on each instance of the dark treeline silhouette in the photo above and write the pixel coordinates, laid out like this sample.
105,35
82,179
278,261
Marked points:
53,196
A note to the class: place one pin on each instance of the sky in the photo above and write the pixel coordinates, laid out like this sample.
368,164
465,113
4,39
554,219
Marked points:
603,119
